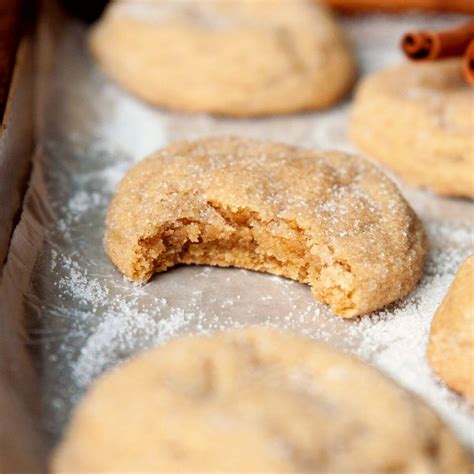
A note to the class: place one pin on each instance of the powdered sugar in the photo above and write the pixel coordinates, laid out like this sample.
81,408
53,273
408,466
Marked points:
118,332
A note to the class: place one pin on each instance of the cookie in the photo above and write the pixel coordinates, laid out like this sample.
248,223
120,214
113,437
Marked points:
253,400
236,58
329,219
451,344
418,120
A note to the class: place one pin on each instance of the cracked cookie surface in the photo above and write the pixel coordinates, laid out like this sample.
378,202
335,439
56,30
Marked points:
327,219
240,58
451,344
418,119
253,400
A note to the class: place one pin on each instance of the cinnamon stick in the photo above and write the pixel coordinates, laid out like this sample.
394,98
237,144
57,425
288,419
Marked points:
468,65
354,6
432,45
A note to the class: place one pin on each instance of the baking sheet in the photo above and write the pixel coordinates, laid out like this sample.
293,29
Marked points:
86,317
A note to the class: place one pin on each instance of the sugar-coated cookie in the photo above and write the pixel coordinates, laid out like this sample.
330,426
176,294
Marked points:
418,119
451,345
230,57
249,401
328,219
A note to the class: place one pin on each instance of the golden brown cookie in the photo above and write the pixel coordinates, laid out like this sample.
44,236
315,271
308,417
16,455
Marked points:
250,401
238,58
451,346
418,119
330,220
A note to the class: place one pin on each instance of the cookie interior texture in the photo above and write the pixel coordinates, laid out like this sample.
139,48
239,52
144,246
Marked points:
253,400
418,119
239,58
330,220
451,344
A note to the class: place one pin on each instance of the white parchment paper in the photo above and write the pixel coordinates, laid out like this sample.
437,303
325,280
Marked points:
85,317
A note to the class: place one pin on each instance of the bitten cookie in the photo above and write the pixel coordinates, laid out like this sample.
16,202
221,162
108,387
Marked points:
418,119
253,400
238,58
451,345
330,220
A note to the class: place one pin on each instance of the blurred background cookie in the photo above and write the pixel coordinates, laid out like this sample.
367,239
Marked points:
418,119
253,400
243,58
451,346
